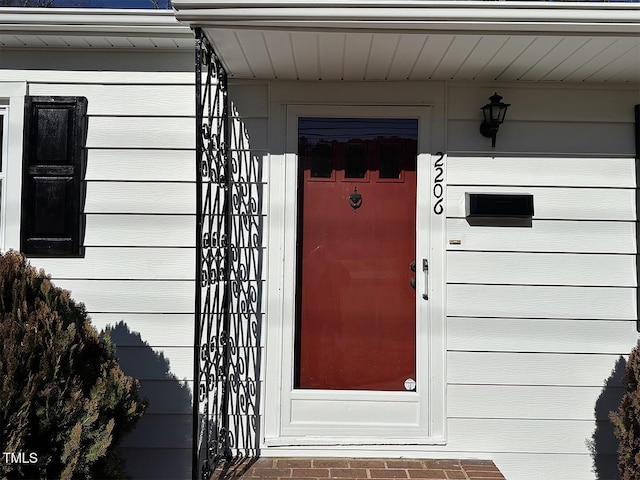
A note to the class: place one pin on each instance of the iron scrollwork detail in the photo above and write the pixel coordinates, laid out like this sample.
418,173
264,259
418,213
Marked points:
229,271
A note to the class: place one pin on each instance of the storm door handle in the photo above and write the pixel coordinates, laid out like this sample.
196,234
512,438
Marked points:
425,269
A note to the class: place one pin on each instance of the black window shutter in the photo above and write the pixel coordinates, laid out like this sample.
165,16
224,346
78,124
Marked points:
52,176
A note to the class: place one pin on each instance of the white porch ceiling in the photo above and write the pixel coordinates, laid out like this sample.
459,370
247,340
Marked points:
422,39
309,55
364,39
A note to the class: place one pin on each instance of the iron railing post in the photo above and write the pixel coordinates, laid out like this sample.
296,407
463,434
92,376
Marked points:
228,274
197,340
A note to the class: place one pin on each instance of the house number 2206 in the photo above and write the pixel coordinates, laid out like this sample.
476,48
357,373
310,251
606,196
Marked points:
438,188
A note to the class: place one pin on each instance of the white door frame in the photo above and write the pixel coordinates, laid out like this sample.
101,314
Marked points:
329,417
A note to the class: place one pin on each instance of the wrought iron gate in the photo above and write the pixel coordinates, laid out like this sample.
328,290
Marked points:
229,257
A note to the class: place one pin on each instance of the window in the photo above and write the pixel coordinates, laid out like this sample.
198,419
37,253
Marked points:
52,220
12,96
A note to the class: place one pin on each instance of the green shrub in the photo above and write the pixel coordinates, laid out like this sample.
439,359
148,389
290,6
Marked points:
626,420
63,397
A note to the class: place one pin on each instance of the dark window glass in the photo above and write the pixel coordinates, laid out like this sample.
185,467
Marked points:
355,161
390,160
326,144
322,160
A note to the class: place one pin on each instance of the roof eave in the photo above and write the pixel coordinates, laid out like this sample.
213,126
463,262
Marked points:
91,22
457,15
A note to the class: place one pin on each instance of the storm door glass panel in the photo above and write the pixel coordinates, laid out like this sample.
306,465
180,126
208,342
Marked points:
390,160
355,327
321,160
355,161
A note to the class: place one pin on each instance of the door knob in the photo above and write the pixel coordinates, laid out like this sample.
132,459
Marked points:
412,282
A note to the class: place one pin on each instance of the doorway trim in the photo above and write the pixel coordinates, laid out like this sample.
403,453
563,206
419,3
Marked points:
416,417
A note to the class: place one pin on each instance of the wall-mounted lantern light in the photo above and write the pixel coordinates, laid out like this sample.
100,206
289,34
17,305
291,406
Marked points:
494,113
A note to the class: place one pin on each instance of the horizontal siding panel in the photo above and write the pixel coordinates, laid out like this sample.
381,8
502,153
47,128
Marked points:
558,203
166,363
87,65
123,263
541,302
171,397
139,329
157,463
540,335
140,197
164,198
136,296
141,132
140,231
132,100
158,363
141,165
358,92
250,133
544,137
501,368
524,402
72,76
545,236
524,436
551,466
161,431
541,269
553,171
249,100
546,102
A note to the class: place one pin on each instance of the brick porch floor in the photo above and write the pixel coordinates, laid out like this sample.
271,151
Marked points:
358,469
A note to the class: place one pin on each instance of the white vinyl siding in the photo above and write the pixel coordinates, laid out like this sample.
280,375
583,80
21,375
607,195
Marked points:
546,236
138,267
539,316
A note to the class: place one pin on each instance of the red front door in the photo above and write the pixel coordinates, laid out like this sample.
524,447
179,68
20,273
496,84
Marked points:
356,245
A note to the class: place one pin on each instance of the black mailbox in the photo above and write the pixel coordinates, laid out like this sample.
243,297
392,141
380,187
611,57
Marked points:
499,205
